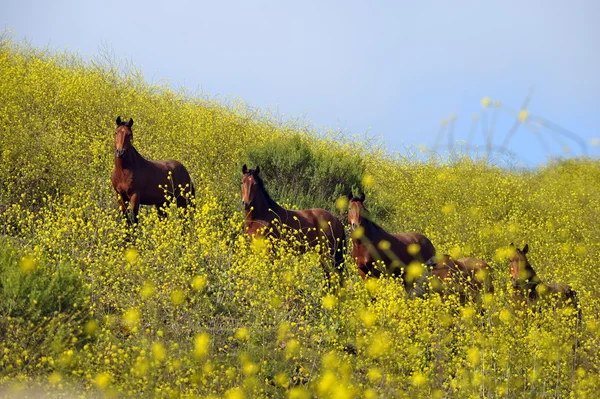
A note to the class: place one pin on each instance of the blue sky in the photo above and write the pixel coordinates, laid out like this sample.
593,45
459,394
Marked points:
394,69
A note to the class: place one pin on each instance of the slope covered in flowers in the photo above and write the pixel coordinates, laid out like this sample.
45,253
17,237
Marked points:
186,306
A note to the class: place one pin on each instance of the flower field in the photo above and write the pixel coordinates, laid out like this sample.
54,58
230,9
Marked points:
187,306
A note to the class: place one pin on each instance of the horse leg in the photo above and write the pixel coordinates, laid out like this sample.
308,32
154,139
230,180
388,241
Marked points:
123,200
338,262
182,202
135,206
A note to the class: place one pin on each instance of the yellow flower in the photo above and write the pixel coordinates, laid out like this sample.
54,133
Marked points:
368,181
419,379
235,393
329,301
523,115
341,203
505,316
384,245
413,249
158,351
102,380
299,393
131,255
90,327
374,375
201,345
148,290
199,283
474,356
28,264
242,333
131,318
55,378
177,297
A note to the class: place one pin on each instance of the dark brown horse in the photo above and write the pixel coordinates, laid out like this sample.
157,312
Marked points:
529,288
376,251
144,182
264,217
465,277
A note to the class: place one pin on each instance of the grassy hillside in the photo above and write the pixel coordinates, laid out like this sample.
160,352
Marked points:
185,306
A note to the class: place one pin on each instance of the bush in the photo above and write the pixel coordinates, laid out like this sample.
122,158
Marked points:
33,289
305,175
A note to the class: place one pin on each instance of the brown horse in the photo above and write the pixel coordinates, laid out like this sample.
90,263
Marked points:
264,217
143,182
376,251
528,286
466,277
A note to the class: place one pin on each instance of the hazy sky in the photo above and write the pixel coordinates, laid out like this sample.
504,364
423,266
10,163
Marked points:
393,68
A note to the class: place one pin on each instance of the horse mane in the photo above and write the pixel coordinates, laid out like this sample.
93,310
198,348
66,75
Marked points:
261,185
534,277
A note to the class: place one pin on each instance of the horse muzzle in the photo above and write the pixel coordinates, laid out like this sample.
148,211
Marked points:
119,153
247,205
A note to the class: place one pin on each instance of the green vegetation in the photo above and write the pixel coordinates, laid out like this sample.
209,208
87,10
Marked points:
307,176
185,306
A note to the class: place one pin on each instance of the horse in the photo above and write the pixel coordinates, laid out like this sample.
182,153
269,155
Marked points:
529,288
265,218
144,182
467,277
373,246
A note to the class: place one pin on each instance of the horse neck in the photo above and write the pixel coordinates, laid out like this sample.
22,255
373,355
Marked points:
131,159
375,231
533,281
264,208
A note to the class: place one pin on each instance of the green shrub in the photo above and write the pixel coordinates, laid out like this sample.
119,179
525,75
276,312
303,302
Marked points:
33,289
306,175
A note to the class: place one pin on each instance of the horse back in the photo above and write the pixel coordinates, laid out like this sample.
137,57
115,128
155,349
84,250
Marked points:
321,219
474,272
564,291
178,171
426,248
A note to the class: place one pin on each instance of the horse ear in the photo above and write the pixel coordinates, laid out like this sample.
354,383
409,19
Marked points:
244,169
350,196
362,197
526,248
130,123
512,244
257,170
118,120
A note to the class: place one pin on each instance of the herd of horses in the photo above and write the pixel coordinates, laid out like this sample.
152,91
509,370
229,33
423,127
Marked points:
138,181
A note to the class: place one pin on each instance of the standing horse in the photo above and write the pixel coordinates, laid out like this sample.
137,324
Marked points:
466,277
264,217
137,180
528,286
376,251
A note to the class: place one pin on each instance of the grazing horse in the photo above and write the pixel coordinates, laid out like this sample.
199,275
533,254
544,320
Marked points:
528,286
467,277
264,218
376,251
137,180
